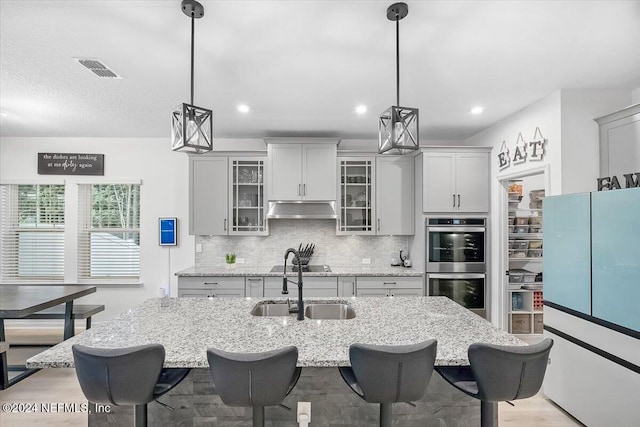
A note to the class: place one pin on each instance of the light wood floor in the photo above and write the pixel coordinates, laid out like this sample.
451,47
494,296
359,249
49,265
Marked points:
61,386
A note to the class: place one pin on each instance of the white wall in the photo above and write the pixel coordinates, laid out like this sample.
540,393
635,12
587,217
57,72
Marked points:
580,137
164,192
635,96
544,114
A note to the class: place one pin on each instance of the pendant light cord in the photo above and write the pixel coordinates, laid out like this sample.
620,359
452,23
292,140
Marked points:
193,25
397,59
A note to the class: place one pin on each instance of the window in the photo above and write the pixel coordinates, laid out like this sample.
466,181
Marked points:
109,231
32,232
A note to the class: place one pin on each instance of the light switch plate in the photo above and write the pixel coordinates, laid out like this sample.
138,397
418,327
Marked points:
239,260
366,260
198,247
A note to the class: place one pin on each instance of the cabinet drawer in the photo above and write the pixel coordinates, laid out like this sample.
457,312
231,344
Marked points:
211,283
389,282
212,293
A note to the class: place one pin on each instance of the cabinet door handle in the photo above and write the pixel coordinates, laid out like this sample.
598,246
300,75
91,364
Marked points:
304,189
458,200
378,224
225,224
253,280
211,283
454,200
353,288
388,283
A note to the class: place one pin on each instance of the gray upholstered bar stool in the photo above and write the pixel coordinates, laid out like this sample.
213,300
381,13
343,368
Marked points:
499,374
390,374
131,376
254,379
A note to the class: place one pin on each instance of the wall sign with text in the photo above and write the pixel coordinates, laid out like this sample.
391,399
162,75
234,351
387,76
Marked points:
70,164
533,150
631,180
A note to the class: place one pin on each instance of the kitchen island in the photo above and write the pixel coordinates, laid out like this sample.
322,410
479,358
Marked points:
188,326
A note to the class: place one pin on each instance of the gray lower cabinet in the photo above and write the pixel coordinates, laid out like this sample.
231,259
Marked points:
312,287
389,287
346,286
271,287
254,287
211,287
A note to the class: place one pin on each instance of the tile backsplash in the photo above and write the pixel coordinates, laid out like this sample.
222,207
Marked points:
288,233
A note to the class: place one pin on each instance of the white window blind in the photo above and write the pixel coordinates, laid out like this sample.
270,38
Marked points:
32,232
109,231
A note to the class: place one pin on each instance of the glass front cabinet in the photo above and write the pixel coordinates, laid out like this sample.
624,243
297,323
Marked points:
356,195
247,200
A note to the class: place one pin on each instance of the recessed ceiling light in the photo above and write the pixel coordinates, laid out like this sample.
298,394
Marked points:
361,109
243,108
477,110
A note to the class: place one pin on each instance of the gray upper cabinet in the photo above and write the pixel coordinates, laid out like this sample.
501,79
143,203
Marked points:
319,171
208,201
455,181
301,171
356,196
284,172
394,196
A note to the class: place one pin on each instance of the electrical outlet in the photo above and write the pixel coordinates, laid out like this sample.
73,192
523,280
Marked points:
304,413
239,260
366,260
198,247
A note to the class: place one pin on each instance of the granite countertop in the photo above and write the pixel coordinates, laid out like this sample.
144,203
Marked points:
262,270
188,326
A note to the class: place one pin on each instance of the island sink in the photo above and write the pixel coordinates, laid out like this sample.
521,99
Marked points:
328,311
270,309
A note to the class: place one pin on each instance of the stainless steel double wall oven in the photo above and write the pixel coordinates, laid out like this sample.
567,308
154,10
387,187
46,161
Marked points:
456,260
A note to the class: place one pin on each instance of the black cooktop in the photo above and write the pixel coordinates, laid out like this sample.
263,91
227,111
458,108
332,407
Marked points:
307,269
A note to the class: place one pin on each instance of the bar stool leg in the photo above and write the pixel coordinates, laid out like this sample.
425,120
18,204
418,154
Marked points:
140,415
488,414
258,416
386,414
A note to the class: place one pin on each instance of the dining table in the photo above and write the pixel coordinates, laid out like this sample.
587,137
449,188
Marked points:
20,301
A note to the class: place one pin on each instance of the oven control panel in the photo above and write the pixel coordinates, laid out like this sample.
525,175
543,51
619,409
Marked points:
456,221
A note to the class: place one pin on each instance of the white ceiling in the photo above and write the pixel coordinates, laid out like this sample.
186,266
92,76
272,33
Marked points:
302,66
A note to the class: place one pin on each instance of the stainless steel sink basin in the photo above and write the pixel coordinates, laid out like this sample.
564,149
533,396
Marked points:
329,311
270,309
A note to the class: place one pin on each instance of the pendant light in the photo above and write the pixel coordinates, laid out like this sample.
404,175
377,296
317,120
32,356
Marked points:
398,126
192,126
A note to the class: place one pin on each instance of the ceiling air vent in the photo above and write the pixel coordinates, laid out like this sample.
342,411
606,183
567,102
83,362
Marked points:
97,68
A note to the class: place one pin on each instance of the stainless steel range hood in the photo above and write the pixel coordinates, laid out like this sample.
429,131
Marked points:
302,210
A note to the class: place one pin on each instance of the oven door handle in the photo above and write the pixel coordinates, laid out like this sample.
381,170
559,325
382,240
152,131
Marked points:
456,229
456,275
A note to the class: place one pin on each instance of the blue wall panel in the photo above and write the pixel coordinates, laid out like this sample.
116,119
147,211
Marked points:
566,244
616,256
